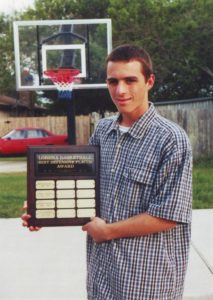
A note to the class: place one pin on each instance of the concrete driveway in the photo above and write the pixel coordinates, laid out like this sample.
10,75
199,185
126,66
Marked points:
12,166
45,265
51,264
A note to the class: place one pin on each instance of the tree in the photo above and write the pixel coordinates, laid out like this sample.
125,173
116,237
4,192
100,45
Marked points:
177,33
68,9
7,74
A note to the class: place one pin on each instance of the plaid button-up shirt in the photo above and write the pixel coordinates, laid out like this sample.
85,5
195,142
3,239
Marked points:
147,169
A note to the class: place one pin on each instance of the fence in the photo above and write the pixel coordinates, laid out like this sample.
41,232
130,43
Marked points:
197,123
57,125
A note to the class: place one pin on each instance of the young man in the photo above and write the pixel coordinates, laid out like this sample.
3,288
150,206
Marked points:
139,247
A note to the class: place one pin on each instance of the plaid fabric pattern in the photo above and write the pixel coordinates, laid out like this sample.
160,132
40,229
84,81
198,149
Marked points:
147,169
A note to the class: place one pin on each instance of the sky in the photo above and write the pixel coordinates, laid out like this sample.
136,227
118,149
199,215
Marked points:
8,6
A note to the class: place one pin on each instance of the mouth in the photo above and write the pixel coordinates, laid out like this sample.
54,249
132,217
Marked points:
122,101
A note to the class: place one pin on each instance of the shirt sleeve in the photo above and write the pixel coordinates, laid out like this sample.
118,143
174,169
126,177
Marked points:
100,131
95,137
172,193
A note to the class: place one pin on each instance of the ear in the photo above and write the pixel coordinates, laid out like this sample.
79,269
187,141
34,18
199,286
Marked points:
150,82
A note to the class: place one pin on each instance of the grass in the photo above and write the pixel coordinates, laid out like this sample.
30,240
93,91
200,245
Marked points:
12,195
13,188
203,182
9,158
203,188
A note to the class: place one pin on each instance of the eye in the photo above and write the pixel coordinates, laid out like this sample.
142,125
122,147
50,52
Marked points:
130,80
112,81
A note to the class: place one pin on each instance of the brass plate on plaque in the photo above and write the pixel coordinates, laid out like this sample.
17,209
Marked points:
66,213
45,194
86,212
65,184
85,184
70,194
45,184
65,203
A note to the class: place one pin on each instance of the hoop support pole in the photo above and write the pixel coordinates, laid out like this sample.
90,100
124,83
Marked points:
71,120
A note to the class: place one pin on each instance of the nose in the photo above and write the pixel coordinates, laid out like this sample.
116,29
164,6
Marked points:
121,88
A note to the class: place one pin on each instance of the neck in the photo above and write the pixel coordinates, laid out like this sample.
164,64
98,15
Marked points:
128,119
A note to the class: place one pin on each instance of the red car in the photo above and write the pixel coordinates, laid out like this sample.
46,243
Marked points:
18,140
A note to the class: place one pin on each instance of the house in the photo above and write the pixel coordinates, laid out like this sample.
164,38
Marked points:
13,107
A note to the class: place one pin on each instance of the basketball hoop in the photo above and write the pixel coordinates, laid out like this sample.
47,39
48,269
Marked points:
63,80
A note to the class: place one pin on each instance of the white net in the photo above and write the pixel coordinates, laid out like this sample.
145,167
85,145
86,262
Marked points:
64,89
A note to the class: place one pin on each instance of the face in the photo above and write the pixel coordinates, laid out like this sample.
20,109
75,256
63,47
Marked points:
128,89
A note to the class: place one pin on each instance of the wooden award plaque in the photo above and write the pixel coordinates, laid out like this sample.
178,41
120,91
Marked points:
62,185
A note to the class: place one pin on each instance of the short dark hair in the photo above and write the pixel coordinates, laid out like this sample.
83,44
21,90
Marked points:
129,53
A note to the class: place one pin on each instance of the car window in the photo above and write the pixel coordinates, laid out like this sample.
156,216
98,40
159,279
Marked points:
15,134
32,133
20,134
42,133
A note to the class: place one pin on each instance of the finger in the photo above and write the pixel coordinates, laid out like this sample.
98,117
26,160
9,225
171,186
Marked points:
25,205
34,228
84,228
25,224
26,217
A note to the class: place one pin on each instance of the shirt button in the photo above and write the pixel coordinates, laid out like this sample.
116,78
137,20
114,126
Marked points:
113,170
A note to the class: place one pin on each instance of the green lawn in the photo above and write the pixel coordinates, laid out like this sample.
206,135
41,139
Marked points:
12,194
203,182
13,189
203,187
10,158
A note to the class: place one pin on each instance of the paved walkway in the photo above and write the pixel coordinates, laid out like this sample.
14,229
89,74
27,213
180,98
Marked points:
199,280
51,264
12,166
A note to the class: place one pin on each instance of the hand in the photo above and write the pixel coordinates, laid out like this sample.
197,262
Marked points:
97,229
25,217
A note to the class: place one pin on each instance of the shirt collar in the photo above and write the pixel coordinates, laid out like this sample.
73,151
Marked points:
138,129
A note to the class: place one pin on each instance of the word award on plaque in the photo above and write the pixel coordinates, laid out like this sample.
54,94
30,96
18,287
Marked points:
63,185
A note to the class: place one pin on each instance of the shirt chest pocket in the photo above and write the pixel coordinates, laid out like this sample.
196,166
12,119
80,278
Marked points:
141,176
137,189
